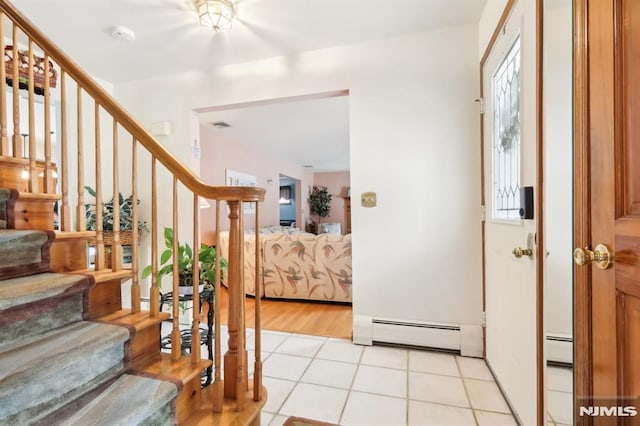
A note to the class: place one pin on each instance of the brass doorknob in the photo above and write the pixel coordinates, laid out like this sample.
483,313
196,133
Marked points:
601,256
518,252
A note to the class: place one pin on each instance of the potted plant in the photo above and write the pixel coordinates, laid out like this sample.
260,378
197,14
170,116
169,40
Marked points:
126,217
319,203
186,259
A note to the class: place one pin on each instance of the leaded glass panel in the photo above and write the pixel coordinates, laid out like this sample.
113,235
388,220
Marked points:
506,136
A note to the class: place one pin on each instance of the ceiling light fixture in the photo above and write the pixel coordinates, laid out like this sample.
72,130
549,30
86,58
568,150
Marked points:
215,15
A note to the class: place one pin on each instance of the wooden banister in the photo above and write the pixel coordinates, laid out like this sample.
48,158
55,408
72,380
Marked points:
132,126
236,383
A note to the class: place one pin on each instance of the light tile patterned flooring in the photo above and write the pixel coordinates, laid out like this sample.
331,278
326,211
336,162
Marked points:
559,396
336,381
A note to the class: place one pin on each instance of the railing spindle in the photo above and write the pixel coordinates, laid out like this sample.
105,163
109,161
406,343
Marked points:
242,384
33,173
176,341
217,382
135,282
195,324
257,369
81,212
65,212
154,291
116,247
17,140
4,140
231,357
49,187
100,259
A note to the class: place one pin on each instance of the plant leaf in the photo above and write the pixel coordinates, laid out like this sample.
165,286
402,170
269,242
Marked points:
166,255
168,237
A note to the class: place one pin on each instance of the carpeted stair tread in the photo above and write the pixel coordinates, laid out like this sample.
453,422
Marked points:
7,201
24,252
33,288
131,400
40,374
39,303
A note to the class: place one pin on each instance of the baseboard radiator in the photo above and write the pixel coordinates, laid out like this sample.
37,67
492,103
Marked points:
559,348
467,339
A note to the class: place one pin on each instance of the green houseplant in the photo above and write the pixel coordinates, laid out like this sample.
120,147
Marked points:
206,258
126,213
319,203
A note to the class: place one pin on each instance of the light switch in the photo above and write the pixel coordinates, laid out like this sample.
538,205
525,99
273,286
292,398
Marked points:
368,199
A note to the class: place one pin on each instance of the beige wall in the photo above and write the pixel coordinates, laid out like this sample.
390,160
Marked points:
337,184
218,154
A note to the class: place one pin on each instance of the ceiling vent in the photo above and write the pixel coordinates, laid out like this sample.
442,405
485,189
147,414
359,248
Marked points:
220,125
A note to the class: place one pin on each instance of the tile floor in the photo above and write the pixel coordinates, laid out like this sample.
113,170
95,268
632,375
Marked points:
335,381
559,396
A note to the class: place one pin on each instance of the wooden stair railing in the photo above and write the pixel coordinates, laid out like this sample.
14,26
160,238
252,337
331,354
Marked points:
38,48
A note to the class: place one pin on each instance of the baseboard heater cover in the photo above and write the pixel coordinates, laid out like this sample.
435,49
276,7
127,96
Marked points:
440,336
559,348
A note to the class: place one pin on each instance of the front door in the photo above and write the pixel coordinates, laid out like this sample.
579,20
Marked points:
611,128
509,164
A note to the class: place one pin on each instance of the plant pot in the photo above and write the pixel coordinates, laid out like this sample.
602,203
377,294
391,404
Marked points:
188,290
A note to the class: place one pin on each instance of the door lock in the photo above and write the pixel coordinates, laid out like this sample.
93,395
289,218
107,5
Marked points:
518,252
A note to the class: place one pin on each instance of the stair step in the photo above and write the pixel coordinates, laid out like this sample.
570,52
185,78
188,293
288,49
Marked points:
161,365
39,303
24,253
69,251
106,297
145,331
41,374
182,372
105,275
230,415
7,201
131,400
33,210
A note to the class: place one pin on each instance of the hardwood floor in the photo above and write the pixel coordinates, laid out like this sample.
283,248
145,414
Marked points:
320,319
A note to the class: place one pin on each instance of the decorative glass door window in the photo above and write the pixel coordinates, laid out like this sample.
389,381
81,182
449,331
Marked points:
506,136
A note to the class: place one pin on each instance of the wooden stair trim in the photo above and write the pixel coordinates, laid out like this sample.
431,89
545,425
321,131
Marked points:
230,414
139,320
161,365
65,235
105,275
38,196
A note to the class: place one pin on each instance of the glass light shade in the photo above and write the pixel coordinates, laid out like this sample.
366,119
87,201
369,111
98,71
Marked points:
215,15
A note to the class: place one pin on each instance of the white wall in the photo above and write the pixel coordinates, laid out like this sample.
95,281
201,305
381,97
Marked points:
558,170
414,141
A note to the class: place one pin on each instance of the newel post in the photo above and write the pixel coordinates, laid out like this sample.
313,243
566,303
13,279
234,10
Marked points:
234,360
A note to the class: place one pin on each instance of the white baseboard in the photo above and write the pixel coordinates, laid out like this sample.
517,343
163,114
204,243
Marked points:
464,338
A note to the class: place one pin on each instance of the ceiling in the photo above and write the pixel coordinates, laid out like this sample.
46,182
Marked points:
313,132
169,40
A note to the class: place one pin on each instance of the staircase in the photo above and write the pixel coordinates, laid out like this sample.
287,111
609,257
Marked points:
70,351
54,365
